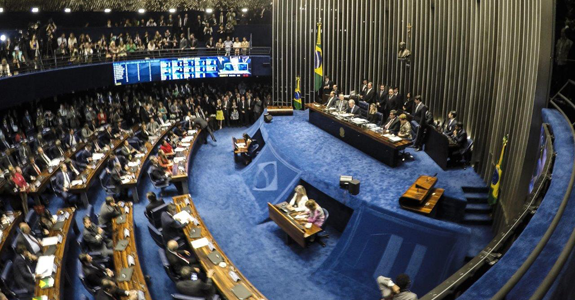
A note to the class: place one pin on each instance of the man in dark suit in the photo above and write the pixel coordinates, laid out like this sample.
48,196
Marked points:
257,108
28,239
391,101
110,291
449,125
204,126
158,174
458,141
108,212
327,85
22,269
84,156
113,160
106,137
369,96
72,139
419,110
363,90
116,180
94,274
171,229
391,125
242,108
43,158
353,109
32,170
398,97
193,285
63,182
179,258
153,203
331,100
56,150
226,106
95,239
336,91
24,152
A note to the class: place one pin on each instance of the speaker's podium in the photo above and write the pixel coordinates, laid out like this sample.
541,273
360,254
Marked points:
422,197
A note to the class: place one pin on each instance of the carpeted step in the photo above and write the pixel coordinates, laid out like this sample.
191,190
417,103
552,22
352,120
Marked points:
478,219
475,189
476,197
483,208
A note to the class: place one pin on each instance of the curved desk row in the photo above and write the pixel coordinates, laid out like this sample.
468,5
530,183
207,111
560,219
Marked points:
227,278
182,162
8,229
55,292
128,258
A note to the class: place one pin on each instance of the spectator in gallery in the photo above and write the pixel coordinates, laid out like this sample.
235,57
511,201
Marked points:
245,46
228,44
237,46
220,45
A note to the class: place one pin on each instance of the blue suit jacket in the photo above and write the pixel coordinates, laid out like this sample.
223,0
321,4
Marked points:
170,227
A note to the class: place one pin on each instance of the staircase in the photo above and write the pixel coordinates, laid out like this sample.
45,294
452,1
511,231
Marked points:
478,219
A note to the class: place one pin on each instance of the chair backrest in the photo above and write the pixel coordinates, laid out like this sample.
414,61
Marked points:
31,217
468,144
6,273
379,118
156,235
325,214
166,264
253,148
91,289
156,214
184,297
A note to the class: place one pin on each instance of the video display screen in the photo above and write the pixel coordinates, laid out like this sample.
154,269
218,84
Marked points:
130,72
541,159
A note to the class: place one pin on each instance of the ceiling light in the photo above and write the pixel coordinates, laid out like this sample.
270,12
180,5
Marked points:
2,37
107,10
244,10
141,10
1,9
67,10
209,10
172,10
35,9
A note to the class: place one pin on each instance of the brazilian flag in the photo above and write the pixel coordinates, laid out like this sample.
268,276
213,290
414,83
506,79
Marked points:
297,95
318,61
496,180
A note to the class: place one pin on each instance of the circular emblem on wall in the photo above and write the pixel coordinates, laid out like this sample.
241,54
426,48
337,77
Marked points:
341,132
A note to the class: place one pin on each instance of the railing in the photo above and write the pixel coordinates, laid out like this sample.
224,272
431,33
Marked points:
58,61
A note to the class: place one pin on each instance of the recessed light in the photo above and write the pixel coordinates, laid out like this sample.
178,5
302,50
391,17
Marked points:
244,10
209,10
141,10
107,10
35,9
1,9
172,10
67,10
2,37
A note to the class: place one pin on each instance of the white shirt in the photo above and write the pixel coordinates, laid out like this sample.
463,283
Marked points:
300,204
33,242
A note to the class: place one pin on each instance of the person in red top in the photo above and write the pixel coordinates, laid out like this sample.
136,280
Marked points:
22,185
164,161
167,148
102,117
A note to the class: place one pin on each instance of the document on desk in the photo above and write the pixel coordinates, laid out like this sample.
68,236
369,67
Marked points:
183,217
187,139
392,137
133,164
138,155
55,162
76,182
45,265
240,145
98,156
49,241
200,243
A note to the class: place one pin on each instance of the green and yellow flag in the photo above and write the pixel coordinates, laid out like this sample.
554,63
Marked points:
297,95
496,180
318,60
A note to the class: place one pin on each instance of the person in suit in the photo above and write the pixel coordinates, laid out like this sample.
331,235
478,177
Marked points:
242,108
327,85
153,126
449,125
43,159
63,183
369,96
154,202
202,124
109,210
4,143
408,104
341,104
381,99
86,132
193,285
94,274
106,137
24,152
398,97
22,269
158,174
72,139
84,156
32,170
144,134
391,101
73,168
110,291
404,128
391,125
116,180
257,108
458,140
115,160
56,150
363,90
128,151
95,239
179,258
28,239
419,109
336,90
171,229
331,100
353,109
226,108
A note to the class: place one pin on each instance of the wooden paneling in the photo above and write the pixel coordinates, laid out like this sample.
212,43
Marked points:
481,58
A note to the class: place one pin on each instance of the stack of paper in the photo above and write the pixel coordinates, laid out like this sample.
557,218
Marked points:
187,139
97,156
55,162
49,241
140,155
179,159
133,164
45,265
180,149
76,182
199,243
183,217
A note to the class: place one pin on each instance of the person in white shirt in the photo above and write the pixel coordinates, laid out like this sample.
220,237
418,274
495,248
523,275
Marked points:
297,203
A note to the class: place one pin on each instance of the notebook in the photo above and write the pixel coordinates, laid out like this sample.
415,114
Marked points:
215,257
121,245
121,220
195,233
125,274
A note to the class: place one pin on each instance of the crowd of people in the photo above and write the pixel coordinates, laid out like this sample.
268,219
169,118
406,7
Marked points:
387,101
29,50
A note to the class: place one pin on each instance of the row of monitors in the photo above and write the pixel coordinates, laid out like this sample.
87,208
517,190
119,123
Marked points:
137,71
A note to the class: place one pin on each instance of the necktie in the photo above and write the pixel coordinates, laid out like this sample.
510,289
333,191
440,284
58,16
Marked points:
66,180
388,124
37,169
46,159
182,257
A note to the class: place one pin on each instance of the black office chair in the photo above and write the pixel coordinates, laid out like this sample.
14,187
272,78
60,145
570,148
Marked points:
156,235
175,277
7,280
184,297
109,189
156,213
325,236
91,289
158,184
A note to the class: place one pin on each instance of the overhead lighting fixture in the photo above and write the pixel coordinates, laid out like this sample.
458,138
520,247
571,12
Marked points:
1,9
141,10
35,9
244,10
67,10
2,38
172,10
107,10
209,10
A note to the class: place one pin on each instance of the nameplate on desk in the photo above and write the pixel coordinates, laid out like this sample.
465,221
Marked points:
241,292
215,257
195,233
50,250
121,245
121,220
234,276
125,274
58,226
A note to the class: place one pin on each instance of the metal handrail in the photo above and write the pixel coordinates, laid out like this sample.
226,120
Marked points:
543,242
544,287
58,62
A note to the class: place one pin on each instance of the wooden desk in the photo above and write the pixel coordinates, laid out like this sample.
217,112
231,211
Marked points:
299,234
421,197
57,291
138,281
221,278
437,147
138,170
179,176
91,172
372,143
280,110
8,230
238,149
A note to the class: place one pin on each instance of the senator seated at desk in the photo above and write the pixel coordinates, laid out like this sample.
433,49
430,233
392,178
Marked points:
24,263
392,124
404,128
109,210
458,141
62,184
353,109
299,200
84,157
171,228
29,239
94,273
192,283
95,238
154,202
179,258
110,291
